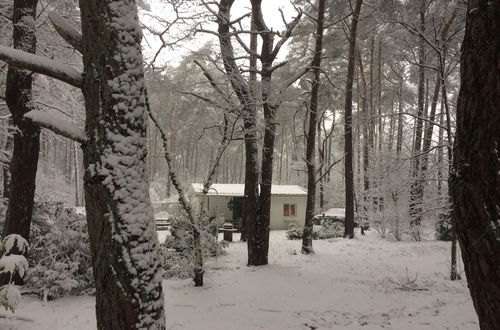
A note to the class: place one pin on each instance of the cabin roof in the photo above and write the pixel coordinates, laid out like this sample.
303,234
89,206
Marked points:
237,189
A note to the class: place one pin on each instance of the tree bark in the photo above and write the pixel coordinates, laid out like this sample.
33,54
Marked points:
348,167
366,130
307,246
474,179
417,186
124,245
245,95
19,98
6,167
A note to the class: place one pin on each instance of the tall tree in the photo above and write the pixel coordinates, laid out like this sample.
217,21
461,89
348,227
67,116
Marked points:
245,93
271,100
123,241
348,160
307,247
474,179
417,187
257,206
19,98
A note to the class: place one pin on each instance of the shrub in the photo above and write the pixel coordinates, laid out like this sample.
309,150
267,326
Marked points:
60,260
13,265
293,232
330,228
178,248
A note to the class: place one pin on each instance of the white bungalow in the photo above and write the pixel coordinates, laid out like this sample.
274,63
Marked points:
288,203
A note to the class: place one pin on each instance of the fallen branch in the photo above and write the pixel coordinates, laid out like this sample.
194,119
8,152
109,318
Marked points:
406,283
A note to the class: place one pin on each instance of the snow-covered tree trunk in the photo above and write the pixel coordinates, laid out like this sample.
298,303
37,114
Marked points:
124,244
19,98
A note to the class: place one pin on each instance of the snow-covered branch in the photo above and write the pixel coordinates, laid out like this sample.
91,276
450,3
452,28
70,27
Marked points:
26,61
57,125
66,30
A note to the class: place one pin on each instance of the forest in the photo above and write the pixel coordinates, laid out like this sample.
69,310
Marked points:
291,164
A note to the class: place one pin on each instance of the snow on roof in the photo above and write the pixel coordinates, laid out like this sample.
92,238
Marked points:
237,189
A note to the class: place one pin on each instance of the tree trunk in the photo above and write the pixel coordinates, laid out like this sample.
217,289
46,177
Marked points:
367,132
417,186
245,93
399,135
76,174
474,179
307,246
124,245
379,97
6,167
19,98
348,167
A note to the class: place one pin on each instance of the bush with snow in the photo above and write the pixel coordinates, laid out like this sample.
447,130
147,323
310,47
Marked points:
294,233
13,265
178,248
60,260
329,229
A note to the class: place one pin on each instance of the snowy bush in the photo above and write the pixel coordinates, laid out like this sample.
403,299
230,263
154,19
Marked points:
12,264
60,261
178,248
329,229
293,232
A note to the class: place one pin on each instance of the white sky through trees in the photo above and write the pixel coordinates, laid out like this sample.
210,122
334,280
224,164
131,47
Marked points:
172,56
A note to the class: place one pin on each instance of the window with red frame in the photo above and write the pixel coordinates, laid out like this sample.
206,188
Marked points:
289,210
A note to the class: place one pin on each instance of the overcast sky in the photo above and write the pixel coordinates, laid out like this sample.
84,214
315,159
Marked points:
151,44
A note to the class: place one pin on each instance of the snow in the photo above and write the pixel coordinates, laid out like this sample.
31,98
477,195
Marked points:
58,125
15,240
237,189
40,64
10,295
122,166
13,263
347,284
335,212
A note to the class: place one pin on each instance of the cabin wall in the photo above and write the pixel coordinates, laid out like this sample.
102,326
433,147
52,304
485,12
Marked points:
278,220
217,206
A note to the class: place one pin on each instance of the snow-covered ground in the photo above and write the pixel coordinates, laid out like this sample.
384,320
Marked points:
347,284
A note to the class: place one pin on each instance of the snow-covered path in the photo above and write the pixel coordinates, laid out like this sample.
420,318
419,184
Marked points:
347,284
